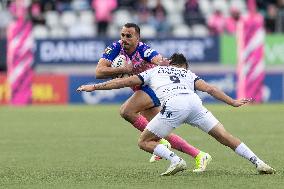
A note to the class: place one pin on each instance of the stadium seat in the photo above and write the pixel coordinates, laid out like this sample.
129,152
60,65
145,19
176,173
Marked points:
58,32
120,17
221,5
113,31
173,6
148,31
6,18
181,31
68,19
40,31
200,30
87,17
81,30
175,19
238,4
79,5
205,7
52,18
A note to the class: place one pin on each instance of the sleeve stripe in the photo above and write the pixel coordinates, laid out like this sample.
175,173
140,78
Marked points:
141,78
196,79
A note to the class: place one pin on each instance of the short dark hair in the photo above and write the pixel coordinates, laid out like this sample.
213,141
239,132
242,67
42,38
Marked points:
132,25
178,59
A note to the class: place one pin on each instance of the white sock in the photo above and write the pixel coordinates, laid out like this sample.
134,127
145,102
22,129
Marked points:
245,152
162,151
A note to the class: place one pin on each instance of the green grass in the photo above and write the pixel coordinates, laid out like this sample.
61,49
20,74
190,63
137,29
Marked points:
92,147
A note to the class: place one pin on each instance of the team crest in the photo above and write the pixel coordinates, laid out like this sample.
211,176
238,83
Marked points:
108,50
148,52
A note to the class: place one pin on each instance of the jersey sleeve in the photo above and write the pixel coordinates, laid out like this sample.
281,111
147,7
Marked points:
146,52
112,51
146,76
192,77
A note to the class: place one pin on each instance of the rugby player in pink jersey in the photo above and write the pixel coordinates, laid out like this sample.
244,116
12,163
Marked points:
143,105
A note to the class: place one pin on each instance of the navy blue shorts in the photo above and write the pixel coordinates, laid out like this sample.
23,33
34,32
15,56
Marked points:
152,95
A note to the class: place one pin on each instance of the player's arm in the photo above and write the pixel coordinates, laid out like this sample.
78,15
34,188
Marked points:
104,69
201,85
112,84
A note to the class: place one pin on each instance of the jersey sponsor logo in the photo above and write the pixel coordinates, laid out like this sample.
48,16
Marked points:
148,52
169,114
172,71
108,50
175,88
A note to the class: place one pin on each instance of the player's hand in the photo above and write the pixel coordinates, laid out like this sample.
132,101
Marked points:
87,88
241,102
128,67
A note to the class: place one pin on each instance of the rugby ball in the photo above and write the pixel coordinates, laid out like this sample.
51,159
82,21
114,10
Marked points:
119,61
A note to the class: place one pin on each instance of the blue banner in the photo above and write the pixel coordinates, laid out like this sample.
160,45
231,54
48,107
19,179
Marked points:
96,97
197,50
89,51
69,51
273,89
273,86
225,82
3,54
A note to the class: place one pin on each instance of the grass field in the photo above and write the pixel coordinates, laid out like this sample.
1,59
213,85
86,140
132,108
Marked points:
92,147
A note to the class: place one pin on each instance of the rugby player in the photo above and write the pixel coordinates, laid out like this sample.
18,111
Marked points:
143,105
175,87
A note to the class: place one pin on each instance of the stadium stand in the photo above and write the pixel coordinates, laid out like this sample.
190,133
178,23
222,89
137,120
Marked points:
64,17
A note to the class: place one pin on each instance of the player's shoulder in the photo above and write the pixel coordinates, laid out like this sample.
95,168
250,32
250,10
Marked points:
189,71
142,46
113,46
116,44
145,50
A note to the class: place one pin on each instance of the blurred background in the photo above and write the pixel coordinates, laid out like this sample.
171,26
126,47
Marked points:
67,37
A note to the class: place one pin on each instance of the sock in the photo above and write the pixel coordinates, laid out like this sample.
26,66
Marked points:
162,151
181,145
245,152
140,123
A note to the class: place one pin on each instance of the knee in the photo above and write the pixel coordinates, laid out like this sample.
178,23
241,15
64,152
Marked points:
125,113
141,144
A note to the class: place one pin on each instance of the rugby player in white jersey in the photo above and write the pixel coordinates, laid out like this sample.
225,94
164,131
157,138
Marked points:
143,105
175,86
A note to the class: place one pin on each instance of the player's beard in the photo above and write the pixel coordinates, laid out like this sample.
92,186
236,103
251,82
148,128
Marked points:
126,46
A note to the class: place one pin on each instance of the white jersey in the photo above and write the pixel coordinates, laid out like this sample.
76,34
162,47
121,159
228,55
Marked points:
167,81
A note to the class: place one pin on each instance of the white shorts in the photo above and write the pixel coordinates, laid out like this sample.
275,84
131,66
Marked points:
183,108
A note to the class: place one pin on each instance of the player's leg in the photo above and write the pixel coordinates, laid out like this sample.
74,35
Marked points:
149,142
225,138
150,113
131,109
178,143
141,101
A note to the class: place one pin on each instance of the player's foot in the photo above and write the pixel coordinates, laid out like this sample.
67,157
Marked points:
263,168
155,158
201,162
174,168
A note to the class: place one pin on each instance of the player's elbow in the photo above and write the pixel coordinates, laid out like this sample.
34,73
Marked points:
99,74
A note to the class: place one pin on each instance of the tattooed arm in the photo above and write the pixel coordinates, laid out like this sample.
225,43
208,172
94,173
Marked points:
112,84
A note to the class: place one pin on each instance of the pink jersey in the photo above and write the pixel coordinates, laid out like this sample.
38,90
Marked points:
140,58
